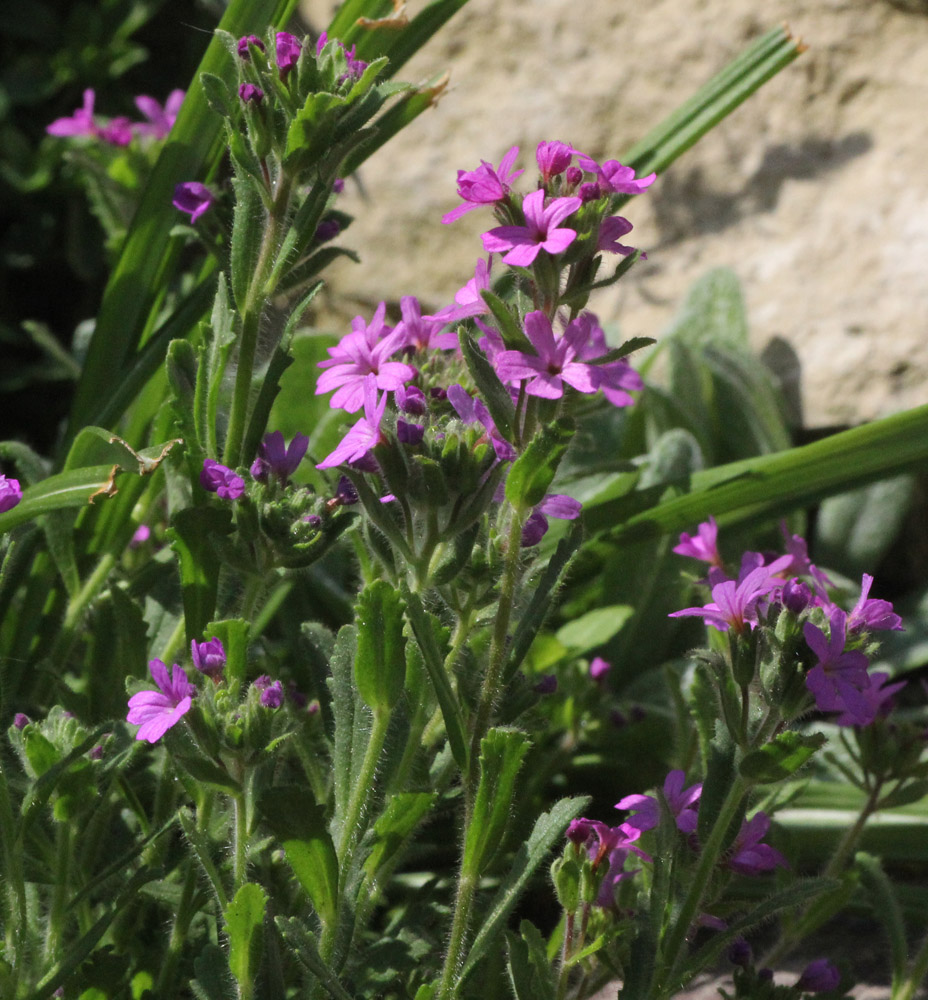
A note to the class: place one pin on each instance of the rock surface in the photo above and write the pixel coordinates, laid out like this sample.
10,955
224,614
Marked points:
815,191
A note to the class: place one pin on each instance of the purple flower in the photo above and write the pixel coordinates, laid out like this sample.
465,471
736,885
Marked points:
484,186
80,123
748,855
796,596
735,605
209,657
555,362
540,231
355,68
819,976
248,92
547,684
288,51
273,695
553,158
156,711
359,354
140,536
365,434
610,229
472,410
599,668
193,198
160,119
247,40
616,378
872,614
703,546
10,493
274,457
421,332
469,301
877,698
681,801
614,178
410,399
21,720
609,844
216,478
839,678
536,524
117,132
407,433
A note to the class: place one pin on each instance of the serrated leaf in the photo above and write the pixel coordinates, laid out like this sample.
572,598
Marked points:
781,757
380,663
501,754
244,917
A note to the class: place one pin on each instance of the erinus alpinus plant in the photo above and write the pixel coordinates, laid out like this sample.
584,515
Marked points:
314,691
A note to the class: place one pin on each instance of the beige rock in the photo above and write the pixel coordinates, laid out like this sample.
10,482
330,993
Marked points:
815,191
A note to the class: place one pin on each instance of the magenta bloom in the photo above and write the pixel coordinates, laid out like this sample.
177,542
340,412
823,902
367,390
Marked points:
735,605
610,229
473,410
872,614
274,457
681,800
485,185
273,695
468,300
21,720
556,362
614,178
819,976
878,699
140,536
221,480
554,505
288,51
160,119
117,132
751,857
208,657
358,354
365,434
553,158
703,546
80,123
421,332
599,668
540,231
839,678
156,711
193,198
247,40
10,493
249,93
606,844
617,378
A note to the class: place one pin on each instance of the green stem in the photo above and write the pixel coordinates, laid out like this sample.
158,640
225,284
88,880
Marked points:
54,931
674,952
166,986
251,319
67,636
849,841
348,835
918,973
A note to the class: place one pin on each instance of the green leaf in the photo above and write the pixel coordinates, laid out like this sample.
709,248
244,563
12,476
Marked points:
781,757
74,488
547,831
202,769
424,632
720,776
234,635
303,945
218,95
501,754
593,629
494,393
244,917
395,826
247,232
201,848
530,971
212,975
348,739
380,664
884,902
533,471
40,752
190,535
299,823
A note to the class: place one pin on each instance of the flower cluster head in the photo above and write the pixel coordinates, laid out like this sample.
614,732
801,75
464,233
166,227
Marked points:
120,131
155,712
221,480
10,493
839,679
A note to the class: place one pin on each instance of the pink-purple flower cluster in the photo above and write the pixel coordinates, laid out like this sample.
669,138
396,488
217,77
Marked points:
120,131
839,680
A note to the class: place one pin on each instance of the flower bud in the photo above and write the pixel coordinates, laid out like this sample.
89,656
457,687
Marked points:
797,596
209,657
